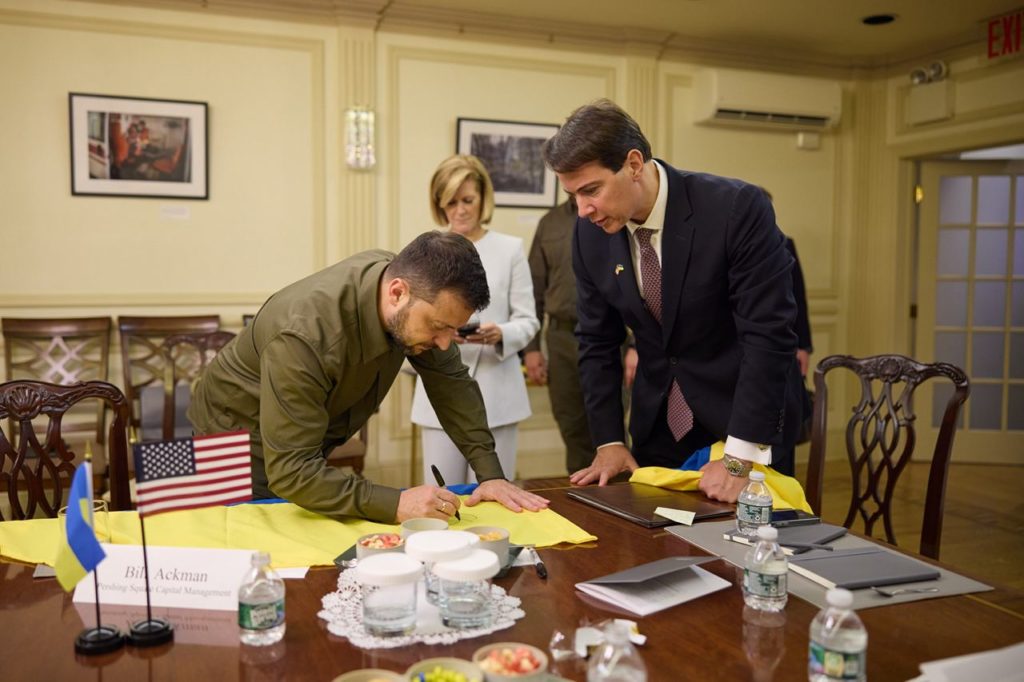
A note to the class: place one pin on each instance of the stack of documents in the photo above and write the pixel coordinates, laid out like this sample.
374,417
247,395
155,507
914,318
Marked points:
998,665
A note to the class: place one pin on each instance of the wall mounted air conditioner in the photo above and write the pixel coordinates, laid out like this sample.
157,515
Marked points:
747,98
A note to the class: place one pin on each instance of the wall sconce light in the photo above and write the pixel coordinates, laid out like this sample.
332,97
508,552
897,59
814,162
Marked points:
934,72
359,148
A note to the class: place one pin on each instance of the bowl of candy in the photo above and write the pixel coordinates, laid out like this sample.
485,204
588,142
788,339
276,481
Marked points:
444,670
370,675
494,539
375,543
511,662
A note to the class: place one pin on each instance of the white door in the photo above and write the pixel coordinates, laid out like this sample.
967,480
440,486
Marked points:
971,303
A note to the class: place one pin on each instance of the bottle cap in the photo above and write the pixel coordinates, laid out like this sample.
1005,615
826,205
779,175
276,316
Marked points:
431,546
260,558
767,533
390,568
756,476
479,564
840,598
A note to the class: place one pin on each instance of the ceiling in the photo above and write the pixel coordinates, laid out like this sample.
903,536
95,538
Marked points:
799,33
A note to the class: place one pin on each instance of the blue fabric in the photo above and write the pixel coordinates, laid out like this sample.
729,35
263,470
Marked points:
462,488
81,537
698,459
267,500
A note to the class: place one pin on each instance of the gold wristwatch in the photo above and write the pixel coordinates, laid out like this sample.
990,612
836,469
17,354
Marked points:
737,467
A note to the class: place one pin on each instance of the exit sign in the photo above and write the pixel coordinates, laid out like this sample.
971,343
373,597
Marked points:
1004,34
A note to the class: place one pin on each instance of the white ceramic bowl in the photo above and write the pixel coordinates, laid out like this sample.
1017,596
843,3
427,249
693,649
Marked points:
363,551
425,523
499,546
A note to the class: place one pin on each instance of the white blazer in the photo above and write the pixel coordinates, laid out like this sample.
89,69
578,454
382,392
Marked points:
496,368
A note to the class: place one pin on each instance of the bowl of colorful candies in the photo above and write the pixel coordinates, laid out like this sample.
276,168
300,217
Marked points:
444,670
375,543
511,662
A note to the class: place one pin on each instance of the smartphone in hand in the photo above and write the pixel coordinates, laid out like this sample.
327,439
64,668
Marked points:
468,329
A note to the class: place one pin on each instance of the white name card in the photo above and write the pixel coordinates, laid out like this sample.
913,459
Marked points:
677,515
179,577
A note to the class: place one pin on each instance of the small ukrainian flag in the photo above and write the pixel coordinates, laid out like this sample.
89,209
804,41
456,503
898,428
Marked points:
81,552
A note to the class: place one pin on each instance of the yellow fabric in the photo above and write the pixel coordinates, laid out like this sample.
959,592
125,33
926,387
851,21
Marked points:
292,535
787,493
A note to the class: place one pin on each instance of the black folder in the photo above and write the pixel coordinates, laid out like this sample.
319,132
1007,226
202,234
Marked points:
861,567
636,502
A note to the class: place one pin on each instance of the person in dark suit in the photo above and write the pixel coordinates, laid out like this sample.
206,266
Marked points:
695,265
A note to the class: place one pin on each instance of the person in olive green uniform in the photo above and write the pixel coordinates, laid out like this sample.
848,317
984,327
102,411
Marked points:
320,356
554,290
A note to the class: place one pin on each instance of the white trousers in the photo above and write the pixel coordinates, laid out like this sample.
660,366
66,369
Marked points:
439,450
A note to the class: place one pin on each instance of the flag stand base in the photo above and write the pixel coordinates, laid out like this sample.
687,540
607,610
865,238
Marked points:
152,632
98,640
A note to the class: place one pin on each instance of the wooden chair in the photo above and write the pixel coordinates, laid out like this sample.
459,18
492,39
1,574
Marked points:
880,439
142,359
60,351
185,358
351,453
41,470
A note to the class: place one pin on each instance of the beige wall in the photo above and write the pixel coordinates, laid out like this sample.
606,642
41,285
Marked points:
282,204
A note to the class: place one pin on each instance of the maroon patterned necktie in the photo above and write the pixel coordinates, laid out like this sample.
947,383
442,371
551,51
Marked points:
679,414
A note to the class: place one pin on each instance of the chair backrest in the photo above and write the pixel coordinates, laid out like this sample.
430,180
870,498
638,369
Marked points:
60,351
41,469
880,439
185,358
142,360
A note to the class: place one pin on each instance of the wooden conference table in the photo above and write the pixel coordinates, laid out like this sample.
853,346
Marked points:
707,639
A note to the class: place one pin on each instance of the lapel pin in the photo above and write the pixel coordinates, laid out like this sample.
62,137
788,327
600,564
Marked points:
618,269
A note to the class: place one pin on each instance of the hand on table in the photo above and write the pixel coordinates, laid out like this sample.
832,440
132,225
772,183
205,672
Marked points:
610,461
426,501
508,494
719,484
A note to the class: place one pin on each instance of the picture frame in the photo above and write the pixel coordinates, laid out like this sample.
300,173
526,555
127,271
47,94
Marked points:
510,151
138,147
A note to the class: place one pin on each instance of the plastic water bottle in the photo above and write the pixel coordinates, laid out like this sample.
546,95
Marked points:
261,603
839,642
754,506
764,573
616,660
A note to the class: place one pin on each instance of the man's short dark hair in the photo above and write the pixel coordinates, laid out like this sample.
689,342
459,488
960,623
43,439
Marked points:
442,261
600,131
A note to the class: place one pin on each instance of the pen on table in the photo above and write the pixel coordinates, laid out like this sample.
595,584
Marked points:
440,482
542,570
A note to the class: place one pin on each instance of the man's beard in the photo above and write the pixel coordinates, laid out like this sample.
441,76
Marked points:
396,330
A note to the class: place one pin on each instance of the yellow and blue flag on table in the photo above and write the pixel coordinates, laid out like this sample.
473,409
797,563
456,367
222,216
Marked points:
79,552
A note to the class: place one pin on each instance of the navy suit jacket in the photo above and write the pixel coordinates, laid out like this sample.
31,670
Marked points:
728,312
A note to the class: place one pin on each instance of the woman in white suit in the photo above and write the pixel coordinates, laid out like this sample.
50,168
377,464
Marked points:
462,198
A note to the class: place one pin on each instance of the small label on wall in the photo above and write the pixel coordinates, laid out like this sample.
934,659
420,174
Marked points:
175,212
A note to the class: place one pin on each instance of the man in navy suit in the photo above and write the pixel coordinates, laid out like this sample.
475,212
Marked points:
695,265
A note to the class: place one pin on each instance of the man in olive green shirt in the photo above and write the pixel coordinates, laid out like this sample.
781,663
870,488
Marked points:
320,356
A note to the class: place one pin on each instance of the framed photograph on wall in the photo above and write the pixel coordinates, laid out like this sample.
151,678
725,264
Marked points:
510,152
138,147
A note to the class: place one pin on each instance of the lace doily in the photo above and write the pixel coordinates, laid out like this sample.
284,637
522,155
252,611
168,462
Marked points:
343,611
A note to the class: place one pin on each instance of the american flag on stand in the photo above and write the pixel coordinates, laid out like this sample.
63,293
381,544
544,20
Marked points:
187,473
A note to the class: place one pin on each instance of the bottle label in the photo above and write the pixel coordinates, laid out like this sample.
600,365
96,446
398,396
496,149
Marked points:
754,513
261,616
764,584
837,665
